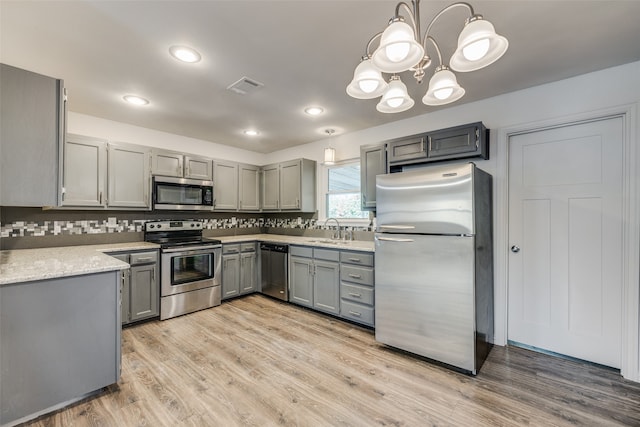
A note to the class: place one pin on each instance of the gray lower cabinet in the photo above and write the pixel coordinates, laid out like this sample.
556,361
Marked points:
140,289
33,115
357,299
59,341
248,268
315,278
239,269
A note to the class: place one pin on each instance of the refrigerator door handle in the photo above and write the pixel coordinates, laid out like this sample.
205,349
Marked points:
393,239
398,227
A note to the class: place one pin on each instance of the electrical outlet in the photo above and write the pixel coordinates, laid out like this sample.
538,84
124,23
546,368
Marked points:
299,220
234,221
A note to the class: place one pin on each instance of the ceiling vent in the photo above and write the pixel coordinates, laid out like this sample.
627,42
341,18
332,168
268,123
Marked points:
245,85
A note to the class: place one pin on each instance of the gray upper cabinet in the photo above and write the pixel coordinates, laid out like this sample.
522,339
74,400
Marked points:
296,186
225,185
249,188
179,165
198,168
129,176
413,148
167,163
271,187
84,171
290,179
373,162
459,142
32,112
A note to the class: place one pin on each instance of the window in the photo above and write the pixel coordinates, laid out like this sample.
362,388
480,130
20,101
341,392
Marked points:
343,192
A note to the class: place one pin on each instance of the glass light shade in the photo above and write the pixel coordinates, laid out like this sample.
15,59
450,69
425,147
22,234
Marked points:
367,82
395,99
478,46
329,156
443,88
398,50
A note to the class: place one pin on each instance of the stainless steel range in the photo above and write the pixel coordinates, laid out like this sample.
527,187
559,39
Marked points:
190,266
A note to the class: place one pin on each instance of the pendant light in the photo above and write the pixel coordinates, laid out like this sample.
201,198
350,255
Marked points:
329,152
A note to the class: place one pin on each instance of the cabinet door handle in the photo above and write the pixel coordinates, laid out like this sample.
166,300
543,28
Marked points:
353,294
100,197
355,276
355,313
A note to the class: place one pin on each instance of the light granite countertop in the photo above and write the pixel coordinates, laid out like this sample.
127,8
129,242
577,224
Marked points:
27,265
352,245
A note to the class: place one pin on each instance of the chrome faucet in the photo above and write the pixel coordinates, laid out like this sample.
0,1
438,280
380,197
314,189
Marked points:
336,235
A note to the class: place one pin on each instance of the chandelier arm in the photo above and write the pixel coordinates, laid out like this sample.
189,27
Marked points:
443,11
433,41
371,40
414,19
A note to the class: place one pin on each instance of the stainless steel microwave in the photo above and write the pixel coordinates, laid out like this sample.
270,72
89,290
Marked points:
182,194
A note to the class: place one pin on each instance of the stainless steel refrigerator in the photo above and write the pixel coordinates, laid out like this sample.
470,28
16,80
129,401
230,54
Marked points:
434,264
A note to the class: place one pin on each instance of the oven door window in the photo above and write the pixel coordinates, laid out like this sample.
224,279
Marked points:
173,194
191,268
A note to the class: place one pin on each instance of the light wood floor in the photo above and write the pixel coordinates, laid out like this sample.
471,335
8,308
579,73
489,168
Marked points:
255,361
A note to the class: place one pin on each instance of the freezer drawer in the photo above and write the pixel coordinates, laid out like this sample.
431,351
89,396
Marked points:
425,296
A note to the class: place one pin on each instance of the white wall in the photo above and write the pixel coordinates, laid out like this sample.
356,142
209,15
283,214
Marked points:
121,132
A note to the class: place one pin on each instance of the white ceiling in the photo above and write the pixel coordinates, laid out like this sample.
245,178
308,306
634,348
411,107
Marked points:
303,51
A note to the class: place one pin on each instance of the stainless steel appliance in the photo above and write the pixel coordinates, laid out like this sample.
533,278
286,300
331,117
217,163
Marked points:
182,194
433,264
274,271
190,267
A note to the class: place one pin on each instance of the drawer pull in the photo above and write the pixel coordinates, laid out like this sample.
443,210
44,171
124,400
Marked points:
355,260
355,313
353,294
355,276
146,258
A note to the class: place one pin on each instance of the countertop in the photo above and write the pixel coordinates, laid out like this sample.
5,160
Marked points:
352,245
27,265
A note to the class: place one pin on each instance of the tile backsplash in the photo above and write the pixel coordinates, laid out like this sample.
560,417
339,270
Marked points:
113,224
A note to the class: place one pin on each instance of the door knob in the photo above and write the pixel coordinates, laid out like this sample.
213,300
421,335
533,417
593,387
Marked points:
515,249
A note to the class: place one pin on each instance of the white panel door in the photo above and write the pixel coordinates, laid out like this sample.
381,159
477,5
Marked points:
565,232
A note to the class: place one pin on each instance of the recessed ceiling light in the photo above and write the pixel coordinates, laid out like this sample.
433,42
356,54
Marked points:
135,100
184,54
251,132
314,111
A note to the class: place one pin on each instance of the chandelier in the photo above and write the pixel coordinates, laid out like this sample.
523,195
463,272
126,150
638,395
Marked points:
401,49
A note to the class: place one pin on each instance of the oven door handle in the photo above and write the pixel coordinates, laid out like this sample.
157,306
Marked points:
190,249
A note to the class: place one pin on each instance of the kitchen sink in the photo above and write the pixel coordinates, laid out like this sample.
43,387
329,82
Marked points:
329,241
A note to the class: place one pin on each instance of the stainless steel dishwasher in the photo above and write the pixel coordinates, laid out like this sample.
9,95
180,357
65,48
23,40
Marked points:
274,270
